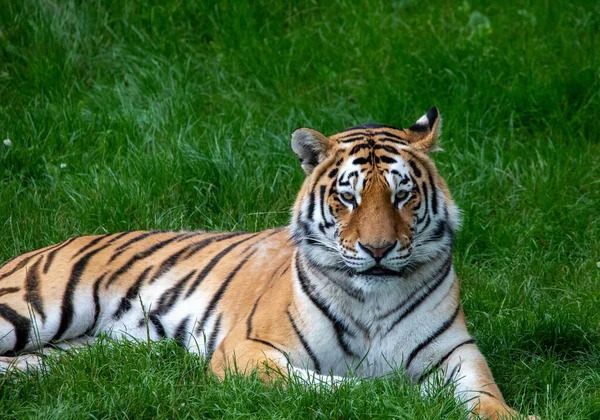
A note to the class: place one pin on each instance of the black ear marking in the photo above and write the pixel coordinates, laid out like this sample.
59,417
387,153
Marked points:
432,116
418,128
426,122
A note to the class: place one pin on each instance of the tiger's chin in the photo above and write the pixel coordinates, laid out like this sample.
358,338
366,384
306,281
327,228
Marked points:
382,273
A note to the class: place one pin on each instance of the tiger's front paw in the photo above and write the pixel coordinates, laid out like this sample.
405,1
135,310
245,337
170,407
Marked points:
492,409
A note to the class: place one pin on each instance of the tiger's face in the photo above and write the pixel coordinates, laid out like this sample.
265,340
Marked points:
373,203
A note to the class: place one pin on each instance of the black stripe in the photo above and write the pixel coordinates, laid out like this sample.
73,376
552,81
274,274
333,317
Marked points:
17,256
489,394
24,261
213,262
452,373
131,294
443,359
251,316
123,247
21,324
432,337
20,265
289,263
187,235
32,286
389,134
311,205
120,235
212,341
434,202
52,254
96,303
437,276
167,264
67,301
360,161
168,298
221,291
138,238
198,246
181,332
415,168
115,237
302,232
353,293
346,288
417,158
358,148
266,343
307,348
322,197
425,200
338,327
432,287
311,202
158,326
138,257
450,291
440,231
8,290
351,137
89,245
387,159
387,148
249,320
392,140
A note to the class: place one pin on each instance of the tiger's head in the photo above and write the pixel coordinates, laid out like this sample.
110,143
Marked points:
373,203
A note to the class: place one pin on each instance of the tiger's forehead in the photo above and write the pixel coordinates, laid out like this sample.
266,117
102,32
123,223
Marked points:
376,145
372,133
367,161
375,151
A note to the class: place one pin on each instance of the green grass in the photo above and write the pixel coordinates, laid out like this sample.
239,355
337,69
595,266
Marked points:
177,115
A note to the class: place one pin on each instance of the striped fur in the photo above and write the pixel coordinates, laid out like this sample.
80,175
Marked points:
363,277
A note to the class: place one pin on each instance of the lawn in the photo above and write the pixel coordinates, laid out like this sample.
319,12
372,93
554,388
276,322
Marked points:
176,114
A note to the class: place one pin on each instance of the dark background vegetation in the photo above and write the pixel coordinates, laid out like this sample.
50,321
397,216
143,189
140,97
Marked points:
177,114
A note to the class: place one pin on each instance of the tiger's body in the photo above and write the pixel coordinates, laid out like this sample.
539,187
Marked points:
363,277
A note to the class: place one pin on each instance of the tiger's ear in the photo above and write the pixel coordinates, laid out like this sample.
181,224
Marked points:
311,147
424,133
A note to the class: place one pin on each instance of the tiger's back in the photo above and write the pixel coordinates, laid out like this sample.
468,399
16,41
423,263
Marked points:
161,284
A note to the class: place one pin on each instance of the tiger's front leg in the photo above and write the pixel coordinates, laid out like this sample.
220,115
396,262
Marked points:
247,356
268,359
467,369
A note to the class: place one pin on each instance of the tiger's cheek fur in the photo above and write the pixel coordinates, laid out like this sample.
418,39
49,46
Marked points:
405,229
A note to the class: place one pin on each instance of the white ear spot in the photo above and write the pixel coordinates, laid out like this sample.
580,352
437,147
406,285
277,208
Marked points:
424,121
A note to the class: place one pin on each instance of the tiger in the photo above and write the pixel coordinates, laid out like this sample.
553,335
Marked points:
362,281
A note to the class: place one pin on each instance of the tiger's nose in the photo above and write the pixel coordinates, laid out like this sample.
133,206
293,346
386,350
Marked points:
377,252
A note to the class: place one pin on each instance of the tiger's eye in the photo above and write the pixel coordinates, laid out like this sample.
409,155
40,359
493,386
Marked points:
349,197
401,195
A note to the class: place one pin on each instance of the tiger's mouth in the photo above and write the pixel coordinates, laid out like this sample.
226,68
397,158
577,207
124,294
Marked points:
379,270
